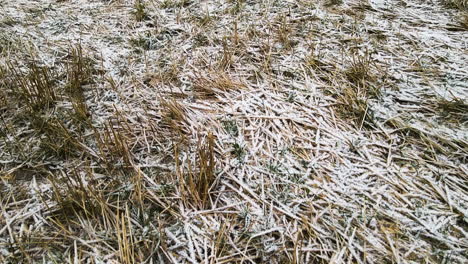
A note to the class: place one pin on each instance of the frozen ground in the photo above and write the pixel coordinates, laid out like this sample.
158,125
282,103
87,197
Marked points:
234,131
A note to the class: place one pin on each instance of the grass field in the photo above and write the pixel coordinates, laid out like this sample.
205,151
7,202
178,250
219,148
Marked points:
233,131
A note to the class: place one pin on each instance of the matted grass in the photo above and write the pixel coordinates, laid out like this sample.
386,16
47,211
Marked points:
183,131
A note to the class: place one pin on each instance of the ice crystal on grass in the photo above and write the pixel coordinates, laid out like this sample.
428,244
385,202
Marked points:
177,131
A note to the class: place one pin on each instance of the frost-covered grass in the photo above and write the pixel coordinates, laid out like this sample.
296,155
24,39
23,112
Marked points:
179,131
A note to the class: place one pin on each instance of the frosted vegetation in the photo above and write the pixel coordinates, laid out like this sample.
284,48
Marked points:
233,131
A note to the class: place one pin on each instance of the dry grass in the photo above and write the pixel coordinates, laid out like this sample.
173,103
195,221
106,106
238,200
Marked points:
197,179
179,131
461,4
464,20
209,86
